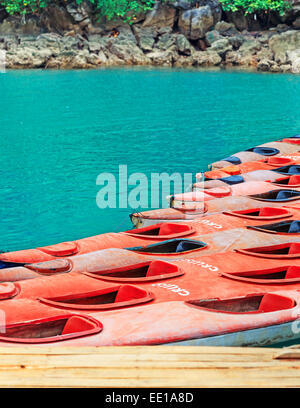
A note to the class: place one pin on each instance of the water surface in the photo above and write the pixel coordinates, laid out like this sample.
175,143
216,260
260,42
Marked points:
60,129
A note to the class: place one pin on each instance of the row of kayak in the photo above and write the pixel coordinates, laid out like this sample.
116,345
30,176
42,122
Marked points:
272,149
221,266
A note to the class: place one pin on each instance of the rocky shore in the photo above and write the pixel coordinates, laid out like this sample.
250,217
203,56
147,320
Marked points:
180,34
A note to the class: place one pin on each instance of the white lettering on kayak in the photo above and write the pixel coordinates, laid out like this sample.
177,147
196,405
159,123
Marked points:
172,288
211,224
202,264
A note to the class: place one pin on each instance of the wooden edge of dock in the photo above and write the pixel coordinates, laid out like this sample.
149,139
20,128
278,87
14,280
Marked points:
153,366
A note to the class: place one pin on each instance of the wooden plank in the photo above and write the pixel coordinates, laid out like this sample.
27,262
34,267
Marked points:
154,366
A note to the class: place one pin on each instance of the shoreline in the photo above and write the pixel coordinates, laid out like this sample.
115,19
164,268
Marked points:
200,37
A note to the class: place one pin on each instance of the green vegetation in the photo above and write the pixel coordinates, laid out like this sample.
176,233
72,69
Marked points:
256,6
129,9
112,9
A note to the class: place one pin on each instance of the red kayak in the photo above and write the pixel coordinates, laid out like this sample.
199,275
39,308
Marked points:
282,230
257,153
241,189
276,198
272,164
209,296
268,176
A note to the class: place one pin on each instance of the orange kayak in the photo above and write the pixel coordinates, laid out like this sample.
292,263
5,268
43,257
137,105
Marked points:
134,305
271,163
215,237
268,176
276,198
241,189
257,153
144,236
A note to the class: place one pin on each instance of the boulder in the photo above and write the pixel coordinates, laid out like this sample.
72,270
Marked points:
281,43
206,58
160,16
183,45
238,19
296,23
236,41
294,59
162,58
225,28
166,41
221,46
195,23
56,18
264,65
15,25
145,37
212,36
285,68
265,54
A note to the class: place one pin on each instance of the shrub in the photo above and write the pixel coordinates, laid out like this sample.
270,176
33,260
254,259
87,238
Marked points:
256,6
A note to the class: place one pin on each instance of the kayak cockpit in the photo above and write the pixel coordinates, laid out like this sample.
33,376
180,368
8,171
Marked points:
145,271
108,298
277,195
283,227
172,246
287,250
265,303
53,329
162,231
279,275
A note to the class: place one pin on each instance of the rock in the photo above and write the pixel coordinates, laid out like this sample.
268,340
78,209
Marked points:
195,23
206,58
232,58
265,54
236,41
238,19
264,65
215,7
237,58
160,16
78,12
27,58
56,18
275,67
281,43
94,47
212,36
296,23
145,37
250,46
294,59
264,37
125,36
202,45
183,45
13,26
226,29
130,53
221,46
163,58
166,41
184,4
285,67
183,61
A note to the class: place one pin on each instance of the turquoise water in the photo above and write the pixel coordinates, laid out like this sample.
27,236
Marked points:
59,130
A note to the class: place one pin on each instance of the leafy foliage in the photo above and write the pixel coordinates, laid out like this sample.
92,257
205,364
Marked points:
256,6
23,6
127,10
112,9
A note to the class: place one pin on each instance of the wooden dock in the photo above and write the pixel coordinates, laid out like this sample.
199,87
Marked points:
149,367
